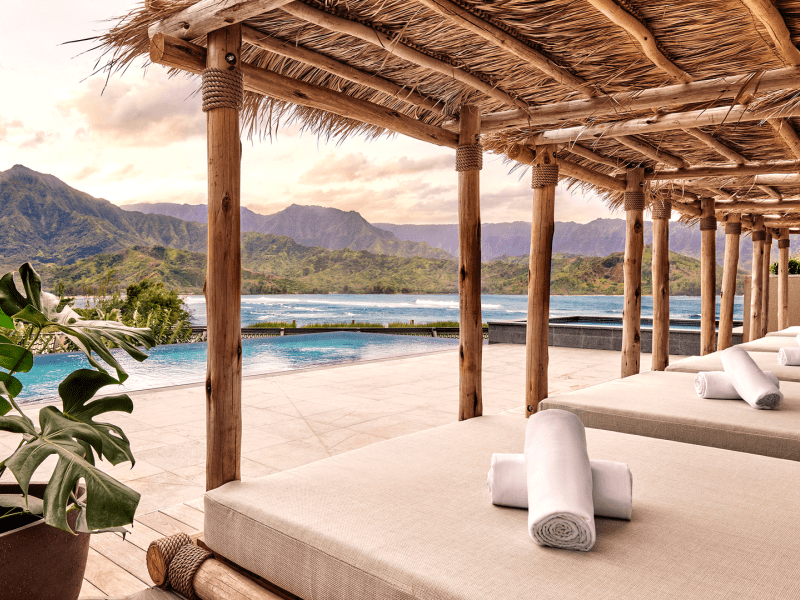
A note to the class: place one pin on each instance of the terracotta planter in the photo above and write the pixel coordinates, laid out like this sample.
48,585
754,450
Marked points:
39,561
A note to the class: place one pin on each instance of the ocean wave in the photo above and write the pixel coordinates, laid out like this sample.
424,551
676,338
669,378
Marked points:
451,304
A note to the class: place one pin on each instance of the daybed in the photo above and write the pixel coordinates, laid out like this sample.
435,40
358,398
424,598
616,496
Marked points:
410,518
767,361
666,405
788,332
769,344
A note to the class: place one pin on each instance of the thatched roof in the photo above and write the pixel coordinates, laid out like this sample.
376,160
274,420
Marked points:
693,41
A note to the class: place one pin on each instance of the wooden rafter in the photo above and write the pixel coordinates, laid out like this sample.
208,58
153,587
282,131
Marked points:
772,20
526,156
584,152
176,53
206,16
723,171
651,152
749,205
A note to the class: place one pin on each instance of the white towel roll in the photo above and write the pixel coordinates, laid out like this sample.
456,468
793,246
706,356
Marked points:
789,357
717,385
560,506
611,485
750,382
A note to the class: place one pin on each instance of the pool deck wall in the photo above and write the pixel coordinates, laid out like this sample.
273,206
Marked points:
566,333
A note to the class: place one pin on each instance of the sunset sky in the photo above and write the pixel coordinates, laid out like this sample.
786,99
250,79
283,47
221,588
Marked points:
142,139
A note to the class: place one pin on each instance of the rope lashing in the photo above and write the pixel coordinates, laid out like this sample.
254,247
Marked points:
759,236
222,89
544,176
169,547
708,223
469,157
733,228
635,201
768,238
661,209
783,243
183,568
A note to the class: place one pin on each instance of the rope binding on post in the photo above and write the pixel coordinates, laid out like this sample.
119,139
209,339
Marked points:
661,209
167,548
544,176
183,568
759,236
469,157
708,223
222,89
733,228
635,201
783,243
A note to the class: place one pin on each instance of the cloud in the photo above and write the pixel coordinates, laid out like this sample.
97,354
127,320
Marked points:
6,126
351,167
39,138
86,172
129,170
155,111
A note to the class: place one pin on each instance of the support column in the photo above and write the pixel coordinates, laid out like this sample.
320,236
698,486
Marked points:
733,230
662,212
222,94
708,276
765,286
632,271
469,161
757,280
783,279
544,181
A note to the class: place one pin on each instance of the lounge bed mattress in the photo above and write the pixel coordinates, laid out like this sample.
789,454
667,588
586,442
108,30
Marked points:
769,344
411,518
767,361
665,405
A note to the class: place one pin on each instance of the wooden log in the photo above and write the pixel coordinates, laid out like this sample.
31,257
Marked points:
632,273
783,279
591,155
223,287
708,277
760,206
392,46
757,280
725,171
538,326
660,359
207,15
687,208
709,90
331,65
650,152
172,52
665,122
469,273
770,17
712,142
788,135
729,272
765,299
215,580
525,155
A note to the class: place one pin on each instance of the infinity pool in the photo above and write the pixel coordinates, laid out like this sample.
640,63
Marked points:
178,364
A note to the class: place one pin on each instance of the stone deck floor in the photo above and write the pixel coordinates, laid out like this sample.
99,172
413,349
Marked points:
290,419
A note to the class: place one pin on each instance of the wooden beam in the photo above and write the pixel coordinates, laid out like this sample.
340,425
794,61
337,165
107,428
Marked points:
469,273
204,17
660,266
224,276
729,271
787,134
632,273
770,17
524,155
765,299
584,152
538,324
176,53
724,171
497,37
713,143
757,279
621,103
686,208
708,277
783,279
760,206
650,152
393,46
331,65
772,193
656,123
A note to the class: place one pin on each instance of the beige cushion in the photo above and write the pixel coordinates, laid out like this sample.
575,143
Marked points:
666,406
769,344
411,518
767,361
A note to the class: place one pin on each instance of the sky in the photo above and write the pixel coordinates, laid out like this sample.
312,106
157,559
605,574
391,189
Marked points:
141,138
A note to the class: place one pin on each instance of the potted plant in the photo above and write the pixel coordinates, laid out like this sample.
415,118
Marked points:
45,527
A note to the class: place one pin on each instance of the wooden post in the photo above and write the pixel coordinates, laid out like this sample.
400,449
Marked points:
708,276
544,181
765,286
632,272
733,230
783,279
223,279
757,280
662,212
468,164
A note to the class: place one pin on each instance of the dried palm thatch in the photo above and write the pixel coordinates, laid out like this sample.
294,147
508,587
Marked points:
700,40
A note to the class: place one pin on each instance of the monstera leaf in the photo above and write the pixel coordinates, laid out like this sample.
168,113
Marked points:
45,312
108,504
5,321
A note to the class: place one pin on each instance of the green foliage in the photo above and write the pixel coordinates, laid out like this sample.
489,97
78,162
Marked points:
324,325
794,267
73,434
274,325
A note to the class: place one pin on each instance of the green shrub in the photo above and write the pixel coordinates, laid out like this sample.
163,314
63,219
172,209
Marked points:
794,267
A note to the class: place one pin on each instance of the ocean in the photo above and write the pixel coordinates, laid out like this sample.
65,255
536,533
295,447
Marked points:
384,309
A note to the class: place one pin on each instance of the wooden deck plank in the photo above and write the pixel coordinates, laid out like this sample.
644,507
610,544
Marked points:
123,553
109,578
197,503
141,535
165,524
89,591
186,514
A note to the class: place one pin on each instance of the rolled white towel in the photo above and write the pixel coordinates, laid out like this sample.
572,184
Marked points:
717,384
789,357
611,485
750,382
560,506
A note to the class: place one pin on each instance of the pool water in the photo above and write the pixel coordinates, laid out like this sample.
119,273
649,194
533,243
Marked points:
179,364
